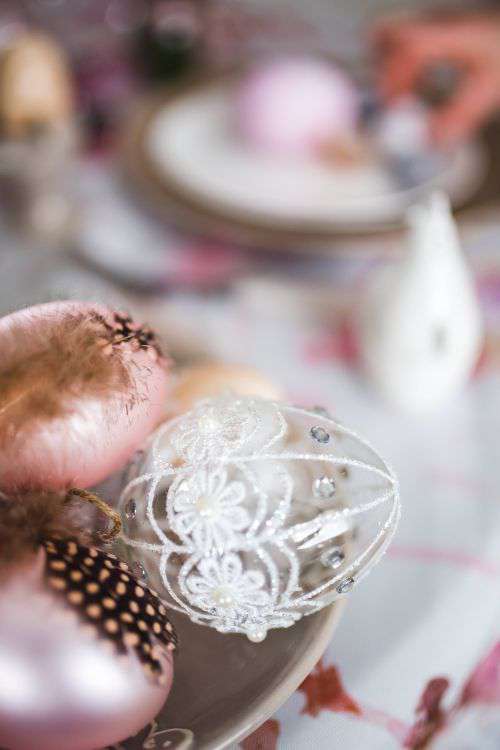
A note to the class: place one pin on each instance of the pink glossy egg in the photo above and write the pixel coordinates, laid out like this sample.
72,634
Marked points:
73,411
292,105
61,686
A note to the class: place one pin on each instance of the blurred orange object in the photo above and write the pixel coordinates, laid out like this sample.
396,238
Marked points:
35,86
213,378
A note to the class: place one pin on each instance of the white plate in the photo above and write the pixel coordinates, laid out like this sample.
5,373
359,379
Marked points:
192,144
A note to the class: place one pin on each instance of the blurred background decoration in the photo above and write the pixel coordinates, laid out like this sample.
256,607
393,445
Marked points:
235,172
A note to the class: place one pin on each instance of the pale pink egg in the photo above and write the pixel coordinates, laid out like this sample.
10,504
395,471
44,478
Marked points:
81,386
293,105
69,679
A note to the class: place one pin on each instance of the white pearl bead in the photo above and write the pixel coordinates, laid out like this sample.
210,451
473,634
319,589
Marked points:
222,597
257,636
208,424
207,507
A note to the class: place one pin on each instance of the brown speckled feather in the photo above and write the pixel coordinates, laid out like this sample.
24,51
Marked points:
106,596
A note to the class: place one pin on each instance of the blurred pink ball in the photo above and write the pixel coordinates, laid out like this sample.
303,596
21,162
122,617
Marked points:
97,429
292,106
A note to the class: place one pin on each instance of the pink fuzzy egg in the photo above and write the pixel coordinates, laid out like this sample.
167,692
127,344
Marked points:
81,386
291,106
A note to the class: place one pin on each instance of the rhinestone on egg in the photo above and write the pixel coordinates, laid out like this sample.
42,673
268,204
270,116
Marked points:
319,434
324,487
131,509
139,570
333,558
345,586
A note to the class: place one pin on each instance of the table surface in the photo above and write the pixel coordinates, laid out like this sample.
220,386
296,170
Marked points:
416,657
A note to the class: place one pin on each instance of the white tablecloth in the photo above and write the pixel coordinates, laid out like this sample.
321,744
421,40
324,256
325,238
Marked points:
417,654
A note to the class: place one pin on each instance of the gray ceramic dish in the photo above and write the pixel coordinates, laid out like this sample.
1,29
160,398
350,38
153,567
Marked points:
225,686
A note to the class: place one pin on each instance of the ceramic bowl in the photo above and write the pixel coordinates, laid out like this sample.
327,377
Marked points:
225,687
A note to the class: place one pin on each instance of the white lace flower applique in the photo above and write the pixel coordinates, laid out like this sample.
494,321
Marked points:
223,586
205,510
224,426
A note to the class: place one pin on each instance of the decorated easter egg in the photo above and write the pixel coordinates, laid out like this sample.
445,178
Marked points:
292,105
86,649
81,386
249,514
211,379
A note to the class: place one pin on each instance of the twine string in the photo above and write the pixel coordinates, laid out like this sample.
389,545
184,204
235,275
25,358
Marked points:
103,507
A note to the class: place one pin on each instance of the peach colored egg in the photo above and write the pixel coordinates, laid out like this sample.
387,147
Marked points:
81,386
292,105
35,84
211,379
